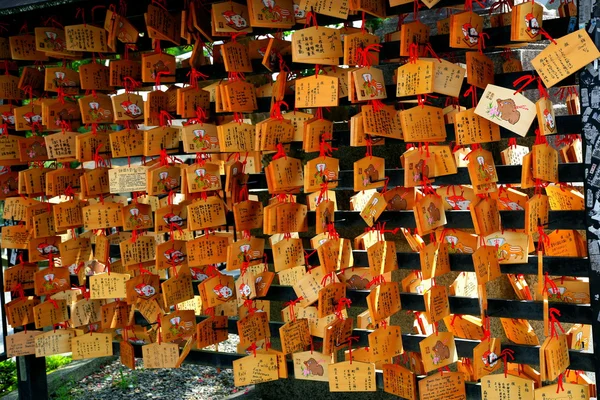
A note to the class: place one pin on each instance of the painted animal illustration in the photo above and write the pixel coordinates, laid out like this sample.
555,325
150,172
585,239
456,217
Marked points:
160,66
421,171
313,367
458,202
470,34
533,26
441,352
371,174
397,203
357,282
276,13
456,246
235,20
509,111
506,251
433,213
371,86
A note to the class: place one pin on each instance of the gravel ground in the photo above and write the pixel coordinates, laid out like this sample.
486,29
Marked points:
114,381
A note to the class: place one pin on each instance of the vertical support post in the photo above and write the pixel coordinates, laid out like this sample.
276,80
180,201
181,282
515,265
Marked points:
31,378
31,370
589,85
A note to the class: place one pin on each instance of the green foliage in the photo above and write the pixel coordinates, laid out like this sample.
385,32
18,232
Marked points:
126,381
373,24
64,391
8,372
8,377
55,362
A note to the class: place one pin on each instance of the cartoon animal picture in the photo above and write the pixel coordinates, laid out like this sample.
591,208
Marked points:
223,292
174,219
145,290
420,171
37,149
327,216
63,115
323,174
370,86
176,327
198,274
10,185
433,213
135,218
97,113
370,175
312,367
458,202
61,80
235,20
563,293
299,13
533,26
204,180
357,282
440,353
245,291
206,141
506,251
276,13
456,246
489,359
470,34
54,42
549,120
506,110
165,182
174,256
511,205
259,284
32,119
485,171
46,249
8,118
397,203
160,66
132,110
49,282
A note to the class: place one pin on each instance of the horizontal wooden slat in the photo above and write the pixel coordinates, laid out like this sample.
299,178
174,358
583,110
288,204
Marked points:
532,310
464,347
571,172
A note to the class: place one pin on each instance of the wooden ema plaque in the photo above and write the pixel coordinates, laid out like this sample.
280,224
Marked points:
446,385
399,381
255,369
168,220
352,376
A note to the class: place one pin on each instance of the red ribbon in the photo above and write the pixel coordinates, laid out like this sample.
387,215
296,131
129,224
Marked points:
528,79
554,321
505,354
341,306
291,305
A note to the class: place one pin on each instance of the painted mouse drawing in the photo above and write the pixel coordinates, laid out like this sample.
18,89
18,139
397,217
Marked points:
508,110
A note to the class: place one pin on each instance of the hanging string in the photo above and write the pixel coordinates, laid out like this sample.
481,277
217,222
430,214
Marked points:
481,41
505,354
553,322
525,81
472,91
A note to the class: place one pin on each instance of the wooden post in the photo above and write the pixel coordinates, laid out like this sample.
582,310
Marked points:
31,377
